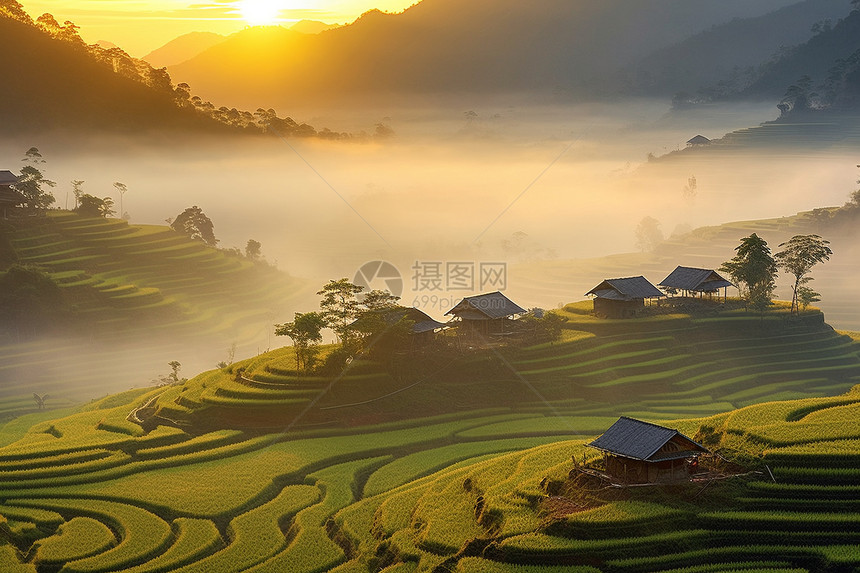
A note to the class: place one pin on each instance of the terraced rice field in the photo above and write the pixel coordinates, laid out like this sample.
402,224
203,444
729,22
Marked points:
142,295
255,468
91,492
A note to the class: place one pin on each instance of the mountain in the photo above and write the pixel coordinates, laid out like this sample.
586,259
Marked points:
182,48
732,48
312,27
37,67
443,46
829,59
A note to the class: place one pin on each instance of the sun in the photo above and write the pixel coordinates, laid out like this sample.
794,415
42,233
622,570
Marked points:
260,12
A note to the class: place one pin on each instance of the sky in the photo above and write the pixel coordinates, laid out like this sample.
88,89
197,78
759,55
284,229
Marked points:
140,26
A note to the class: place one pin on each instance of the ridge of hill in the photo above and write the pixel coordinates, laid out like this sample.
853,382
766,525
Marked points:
682,361
182,48
734,50
441,46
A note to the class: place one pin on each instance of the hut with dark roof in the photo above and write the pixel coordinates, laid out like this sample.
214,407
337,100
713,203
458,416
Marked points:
623,298
698,140
423,326
486,314
692,281
637,452
9,198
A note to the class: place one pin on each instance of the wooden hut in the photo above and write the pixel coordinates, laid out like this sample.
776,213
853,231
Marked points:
486,314
623,298
423,327
9,198
698,141
637,452
692,281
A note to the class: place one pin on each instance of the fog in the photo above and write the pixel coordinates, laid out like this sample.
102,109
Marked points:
506,182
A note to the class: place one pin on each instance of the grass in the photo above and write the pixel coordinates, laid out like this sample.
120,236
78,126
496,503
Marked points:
463,485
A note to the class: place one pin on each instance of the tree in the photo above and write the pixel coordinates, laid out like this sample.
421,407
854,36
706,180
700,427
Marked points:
90,206
253,249
107,209
755,268
32,182
379,300
648,234
194,223
799,255
305,333
339,306
175,367
78,190
121,189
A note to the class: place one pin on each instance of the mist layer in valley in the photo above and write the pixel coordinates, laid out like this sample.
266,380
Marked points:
531,187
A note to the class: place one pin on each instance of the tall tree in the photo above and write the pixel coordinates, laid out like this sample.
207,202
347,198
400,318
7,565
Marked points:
305,333
755,268
121,188
194,223
340,306
32,182
797,257
253,249
648,234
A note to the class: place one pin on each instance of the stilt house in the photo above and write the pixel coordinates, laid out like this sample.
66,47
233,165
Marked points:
623,298
637,452
692,281
9,198
486,314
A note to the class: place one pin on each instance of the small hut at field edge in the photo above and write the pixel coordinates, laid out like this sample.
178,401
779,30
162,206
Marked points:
637,452
622,298
486,314
692,281
9,198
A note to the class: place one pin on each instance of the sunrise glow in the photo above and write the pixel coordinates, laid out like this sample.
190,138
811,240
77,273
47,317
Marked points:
260,12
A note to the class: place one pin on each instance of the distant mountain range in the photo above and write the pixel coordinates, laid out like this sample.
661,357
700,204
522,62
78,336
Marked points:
187,46
182,48
444,46
736,48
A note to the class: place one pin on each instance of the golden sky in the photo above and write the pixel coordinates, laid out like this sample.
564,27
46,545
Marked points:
140,26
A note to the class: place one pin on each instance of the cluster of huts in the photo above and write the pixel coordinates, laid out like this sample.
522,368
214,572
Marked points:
626,297
493,314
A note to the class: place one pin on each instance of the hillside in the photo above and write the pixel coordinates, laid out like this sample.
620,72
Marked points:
670,365
734,49
477,490
141,294
182,48
36,67
446,46
818,58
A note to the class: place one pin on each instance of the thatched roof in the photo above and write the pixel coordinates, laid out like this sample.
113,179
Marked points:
638,440
8,178
422,322
7,194
693,279
630,288
490,306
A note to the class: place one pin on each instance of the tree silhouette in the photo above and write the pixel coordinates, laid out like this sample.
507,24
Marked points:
754,267
194,223
32,182
799,255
